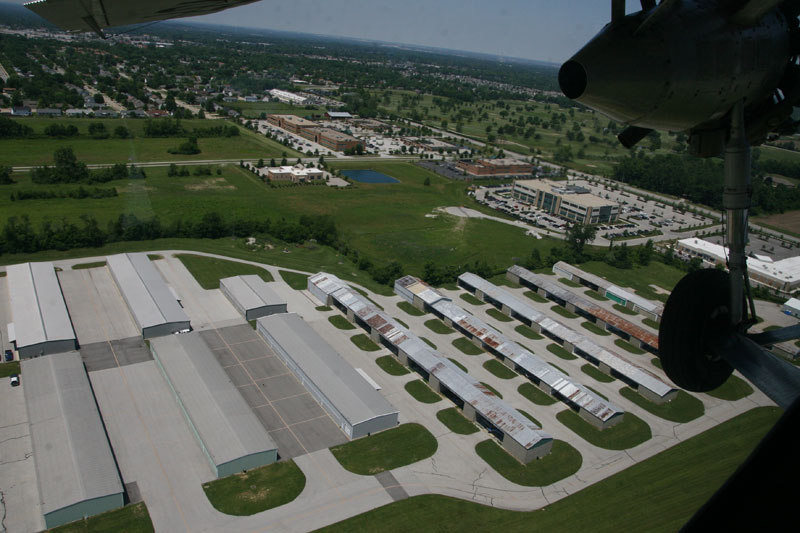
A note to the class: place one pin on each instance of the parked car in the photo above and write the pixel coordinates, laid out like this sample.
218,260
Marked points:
15,380
9,355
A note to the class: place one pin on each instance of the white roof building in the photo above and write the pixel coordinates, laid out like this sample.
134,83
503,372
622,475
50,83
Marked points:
783,275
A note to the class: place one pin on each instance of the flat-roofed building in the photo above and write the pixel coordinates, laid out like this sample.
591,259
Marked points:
41,320
331,139
152,304
288,97
75,468
519,436
291,123
230,435
252,296
495,167
783,275
296,174
352,402
568,201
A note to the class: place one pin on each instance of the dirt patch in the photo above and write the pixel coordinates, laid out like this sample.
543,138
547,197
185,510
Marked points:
789,221
138,187
658,290
210,184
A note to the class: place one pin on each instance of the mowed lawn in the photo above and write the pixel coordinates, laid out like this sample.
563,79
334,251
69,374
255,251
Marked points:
658,494
138,149
385,222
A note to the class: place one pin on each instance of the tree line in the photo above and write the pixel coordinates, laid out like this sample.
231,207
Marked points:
701,180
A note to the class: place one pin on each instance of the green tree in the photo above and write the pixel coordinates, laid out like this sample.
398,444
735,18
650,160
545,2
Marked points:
578,234
5,175
427,181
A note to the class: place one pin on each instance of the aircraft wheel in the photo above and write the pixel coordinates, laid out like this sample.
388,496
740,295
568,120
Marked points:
696,311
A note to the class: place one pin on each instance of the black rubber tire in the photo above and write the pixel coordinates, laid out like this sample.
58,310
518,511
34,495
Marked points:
696,311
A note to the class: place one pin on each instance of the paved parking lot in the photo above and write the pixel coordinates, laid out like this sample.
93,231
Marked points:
96,307
293,418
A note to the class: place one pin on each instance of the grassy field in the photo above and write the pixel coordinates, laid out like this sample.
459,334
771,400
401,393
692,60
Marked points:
421,391
437,326
428,342
563,312
256,490
393,448
456,422
295,280
594,328
6,369
526,331
536,297
734,389
592,371
560,351
365,343
628,347
384,222
789,221
658,494
562,461
530,417
341,322
209,270
684,408
467,347
410,309
631,432
470,299
499,369
624,310
391,366
639,278
497,315
132,518
138,149
535,395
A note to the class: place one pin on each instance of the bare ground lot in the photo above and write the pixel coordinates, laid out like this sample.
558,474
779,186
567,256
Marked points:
789,221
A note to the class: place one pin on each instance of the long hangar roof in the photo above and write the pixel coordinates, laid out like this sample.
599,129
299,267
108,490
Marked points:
38,307
149,299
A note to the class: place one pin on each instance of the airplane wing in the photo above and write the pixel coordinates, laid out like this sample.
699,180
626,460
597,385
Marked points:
94,15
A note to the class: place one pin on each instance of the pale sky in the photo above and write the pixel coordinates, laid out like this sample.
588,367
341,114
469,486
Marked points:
547,30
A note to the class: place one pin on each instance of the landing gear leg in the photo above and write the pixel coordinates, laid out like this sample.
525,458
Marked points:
703,337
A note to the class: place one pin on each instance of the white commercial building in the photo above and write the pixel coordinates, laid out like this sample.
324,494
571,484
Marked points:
783,275
292,98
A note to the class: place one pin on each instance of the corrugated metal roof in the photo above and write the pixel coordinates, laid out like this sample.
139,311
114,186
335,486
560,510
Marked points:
573,391
499,413
37,304
250,292
225,423
586,305
615,361
409,286
345,389
70,448
148,297
643,303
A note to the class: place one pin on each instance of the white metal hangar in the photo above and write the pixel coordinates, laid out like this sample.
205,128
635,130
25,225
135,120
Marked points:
589,310
590,406
152,304
352,402
251,296
75,469
644,382
519,436
41,320
228,431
